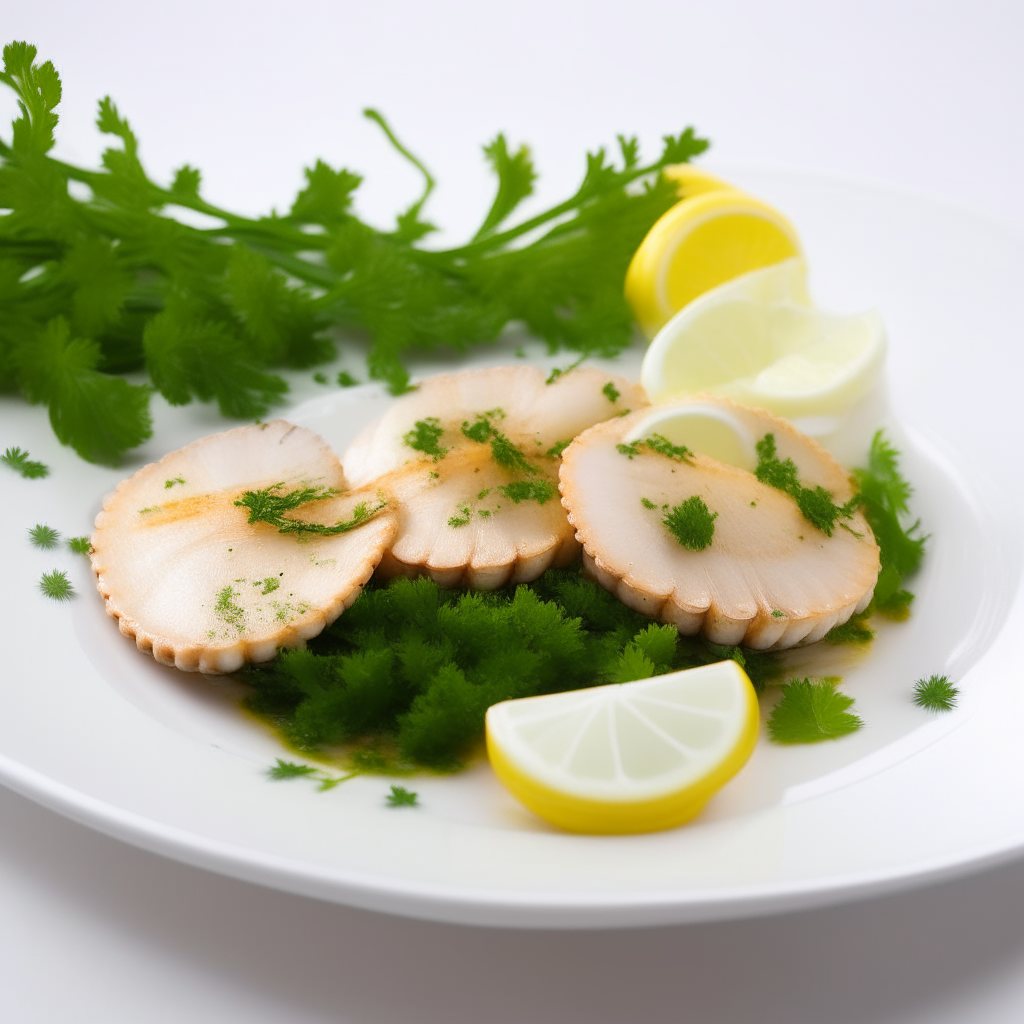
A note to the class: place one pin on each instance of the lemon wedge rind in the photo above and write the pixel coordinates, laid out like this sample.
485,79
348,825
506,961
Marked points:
708,238
629,757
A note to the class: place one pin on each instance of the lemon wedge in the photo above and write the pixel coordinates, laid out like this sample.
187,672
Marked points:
714,234
758,340
629,757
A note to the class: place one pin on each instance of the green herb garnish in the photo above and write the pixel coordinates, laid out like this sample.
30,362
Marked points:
854,631
692,523
811,711
56,585
539,491
425,437
267,506
462,518
121,287
80,545
611,392
884,494
291,770
936,693
815,503
659,444
45,537
18,460
410,669
555,451
346,380
402,797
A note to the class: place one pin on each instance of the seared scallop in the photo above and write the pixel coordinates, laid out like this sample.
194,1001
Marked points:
472,459
707,546
236,545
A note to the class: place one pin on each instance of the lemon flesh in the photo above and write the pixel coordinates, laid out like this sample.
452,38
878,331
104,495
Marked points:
758,340
710,237
629,757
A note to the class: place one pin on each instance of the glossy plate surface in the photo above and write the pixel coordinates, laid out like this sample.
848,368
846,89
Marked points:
97,731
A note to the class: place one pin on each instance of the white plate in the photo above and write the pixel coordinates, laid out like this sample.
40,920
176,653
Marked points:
97,731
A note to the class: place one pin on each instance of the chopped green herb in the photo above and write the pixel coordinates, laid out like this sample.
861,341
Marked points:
171,483
556,373
480,430
663,446
692,523
555,451
539,491
647,503
483,494
778,614
19,461
855,630
57,585
411,668
463,517
815,503
269,585
45,537
210,312
228,610
425,437
507,455
434,476
402,797
346,380
884,495
266,506
811,711
936,693
611,392
320,378
80,545
659,444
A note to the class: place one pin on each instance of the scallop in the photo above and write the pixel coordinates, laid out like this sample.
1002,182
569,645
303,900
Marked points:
705,545
472,459
199,585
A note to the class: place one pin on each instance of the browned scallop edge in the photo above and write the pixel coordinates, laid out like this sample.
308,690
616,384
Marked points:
760,631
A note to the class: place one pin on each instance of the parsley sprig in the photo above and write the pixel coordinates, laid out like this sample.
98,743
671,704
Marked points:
107,283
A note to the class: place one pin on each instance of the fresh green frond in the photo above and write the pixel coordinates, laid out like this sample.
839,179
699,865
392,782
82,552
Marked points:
884,496
290,770
811,711
56,585
515,182
936,693
207,311
327,197
692,523
38,90
100,416
80,545
682,148
18,459
45,537
402,797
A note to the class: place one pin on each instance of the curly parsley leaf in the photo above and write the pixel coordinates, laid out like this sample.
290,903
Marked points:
402,797
19,460
811,711
56,585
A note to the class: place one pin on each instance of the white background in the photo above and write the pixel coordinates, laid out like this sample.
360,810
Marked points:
918,96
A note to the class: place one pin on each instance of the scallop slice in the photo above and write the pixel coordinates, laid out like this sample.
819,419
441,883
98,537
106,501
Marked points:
472,459
768,579
198,585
